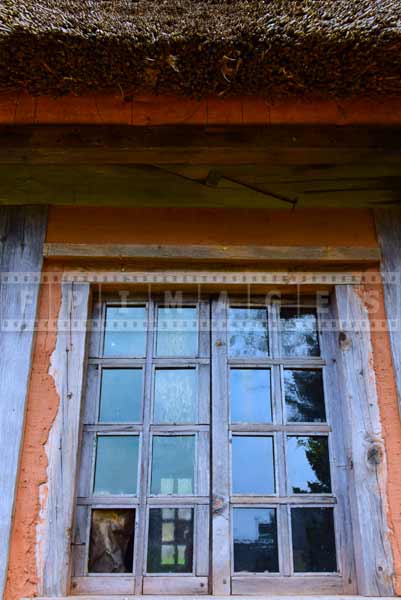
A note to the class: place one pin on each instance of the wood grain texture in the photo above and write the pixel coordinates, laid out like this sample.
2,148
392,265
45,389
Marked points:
206,597
175,144
366,452
206,252
388,225
67,368
221,535
22,233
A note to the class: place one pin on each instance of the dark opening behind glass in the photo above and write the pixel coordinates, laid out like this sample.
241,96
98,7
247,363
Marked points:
304,398
313,540
308,464
298,331
255,540
111,546
247,332
170,544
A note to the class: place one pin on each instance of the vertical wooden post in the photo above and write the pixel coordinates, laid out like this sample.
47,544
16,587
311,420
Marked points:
352,362
22,233
221,576
67,368
388,226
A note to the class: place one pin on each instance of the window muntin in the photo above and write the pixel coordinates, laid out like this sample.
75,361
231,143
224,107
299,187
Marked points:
146,446
266,421
301,432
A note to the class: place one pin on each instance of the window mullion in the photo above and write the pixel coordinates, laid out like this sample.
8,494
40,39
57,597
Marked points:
221,535
141,520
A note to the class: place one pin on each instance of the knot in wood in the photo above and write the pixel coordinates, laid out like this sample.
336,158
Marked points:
343,341
218,504
375,454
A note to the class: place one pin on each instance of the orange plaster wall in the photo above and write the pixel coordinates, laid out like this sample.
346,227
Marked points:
390,418
20,108
323,227
41,410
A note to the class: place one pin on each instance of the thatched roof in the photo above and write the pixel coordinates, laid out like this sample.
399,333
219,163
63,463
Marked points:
196,47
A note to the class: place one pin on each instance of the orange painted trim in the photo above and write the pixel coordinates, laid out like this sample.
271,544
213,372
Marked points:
99,109
218,226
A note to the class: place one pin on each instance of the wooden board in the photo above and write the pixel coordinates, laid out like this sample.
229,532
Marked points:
130,185
67,368
207,252
366,453
388,224
252,166
183,144
22,232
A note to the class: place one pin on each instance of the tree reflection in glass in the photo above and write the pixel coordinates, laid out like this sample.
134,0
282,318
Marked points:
304,399
308,464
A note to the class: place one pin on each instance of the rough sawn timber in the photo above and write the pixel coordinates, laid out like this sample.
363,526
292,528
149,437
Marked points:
388,225
22,232
67,368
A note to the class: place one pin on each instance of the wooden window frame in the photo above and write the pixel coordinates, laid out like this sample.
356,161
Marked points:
373,561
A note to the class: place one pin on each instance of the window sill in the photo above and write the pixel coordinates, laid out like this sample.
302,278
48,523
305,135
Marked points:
208,597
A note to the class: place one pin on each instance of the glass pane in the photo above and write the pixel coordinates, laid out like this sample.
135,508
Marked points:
121,396
299,335
111,547
255,540
308,465
125,331
116,469
253,465
175,396
313,540
248,332
177,331
170,545
173,465
250,396
304,396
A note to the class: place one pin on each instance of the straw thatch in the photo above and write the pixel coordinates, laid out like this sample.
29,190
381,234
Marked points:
275,48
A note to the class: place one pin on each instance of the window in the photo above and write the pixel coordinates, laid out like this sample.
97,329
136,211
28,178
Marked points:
208,457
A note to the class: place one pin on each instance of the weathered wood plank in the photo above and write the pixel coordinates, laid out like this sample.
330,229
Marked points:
388,225
171,586
136,185
366,452
67,368
206,252
263,586
243,597
118,185
22,233
221,544
103,585
195,144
